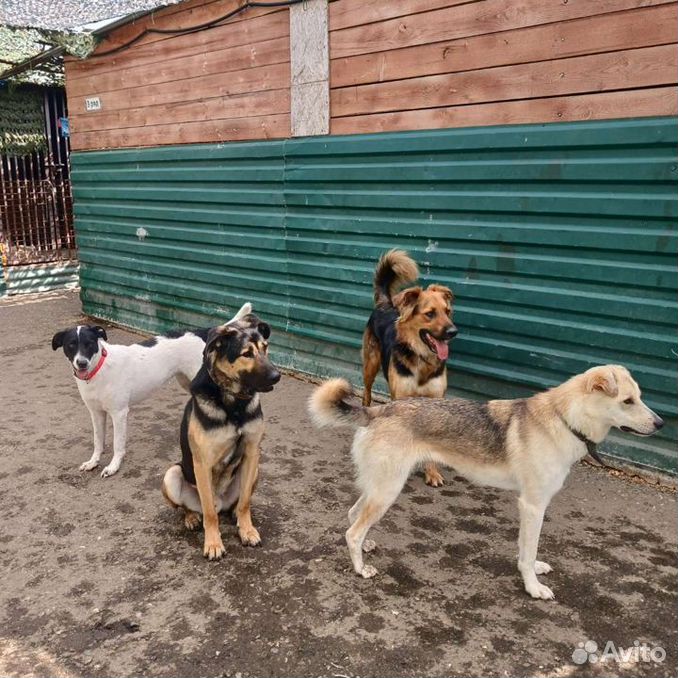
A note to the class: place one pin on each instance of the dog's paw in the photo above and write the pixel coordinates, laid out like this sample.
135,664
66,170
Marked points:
369,545
540,591
88,465
368,572
249,536
433,477
541,567
192,520
109,470
213,549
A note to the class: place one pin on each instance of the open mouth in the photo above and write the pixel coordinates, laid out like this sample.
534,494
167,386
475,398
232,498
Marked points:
80,373
628,429
437,346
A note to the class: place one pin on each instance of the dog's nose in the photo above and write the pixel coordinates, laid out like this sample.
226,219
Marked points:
81,363
658,422
451,332
275,377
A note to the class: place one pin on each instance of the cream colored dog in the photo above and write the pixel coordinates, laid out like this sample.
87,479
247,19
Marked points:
526,445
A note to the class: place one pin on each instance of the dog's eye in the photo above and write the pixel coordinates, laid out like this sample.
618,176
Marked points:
430,315
628,401
249,353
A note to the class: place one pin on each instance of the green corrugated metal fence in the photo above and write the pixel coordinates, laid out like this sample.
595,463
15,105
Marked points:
31,278
558,240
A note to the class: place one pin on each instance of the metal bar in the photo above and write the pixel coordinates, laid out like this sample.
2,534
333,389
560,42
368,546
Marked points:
49,183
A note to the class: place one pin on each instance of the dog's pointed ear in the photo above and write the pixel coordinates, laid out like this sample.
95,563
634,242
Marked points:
602,379
264,330
100,332
222,335
447,293
58,340
406,301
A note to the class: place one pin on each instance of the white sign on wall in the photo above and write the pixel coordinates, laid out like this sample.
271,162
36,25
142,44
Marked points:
92,104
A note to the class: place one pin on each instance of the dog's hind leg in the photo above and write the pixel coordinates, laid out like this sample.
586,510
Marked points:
119,441
99,429
355,510
368,544
371,355
181,494
531,519
372,511
373,505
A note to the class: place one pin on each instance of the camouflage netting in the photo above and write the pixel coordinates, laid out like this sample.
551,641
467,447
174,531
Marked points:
16,45
22,125
70,15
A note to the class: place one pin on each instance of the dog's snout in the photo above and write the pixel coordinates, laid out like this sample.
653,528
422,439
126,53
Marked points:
275,376
658,422
81,363
451,332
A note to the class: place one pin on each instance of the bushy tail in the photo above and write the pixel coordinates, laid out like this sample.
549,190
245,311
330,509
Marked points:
395,269
327,406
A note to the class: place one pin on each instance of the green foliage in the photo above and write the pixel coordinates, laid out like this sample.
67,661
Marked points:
22,124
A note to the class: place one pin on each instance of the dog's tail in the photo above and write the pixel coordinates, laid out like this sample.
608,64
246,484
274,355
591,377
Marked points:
395,269
328,407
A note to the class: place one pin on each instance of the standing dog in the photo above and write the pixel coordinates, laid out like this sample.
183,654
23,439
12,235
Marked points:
221,431
407,336
527,445
112,377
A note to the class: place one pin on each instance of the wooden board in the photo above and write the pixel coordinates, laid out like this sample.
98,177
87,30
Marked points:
262,127
256,29
247,81
626,69
589,35
186,15
347,13
228,60
609,105
250,104
225,83
466,20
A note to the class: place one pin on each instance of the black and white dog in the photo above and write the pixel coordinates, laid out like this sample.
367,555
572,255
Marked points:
111,377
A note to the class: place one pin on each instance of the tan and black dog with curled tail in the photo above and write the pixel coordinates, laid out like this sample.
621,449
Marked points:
407,336
221,432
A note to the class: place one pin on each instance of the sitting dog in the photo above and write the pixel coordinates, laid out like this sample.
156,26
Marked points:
407,336
221,431
111,377
526,445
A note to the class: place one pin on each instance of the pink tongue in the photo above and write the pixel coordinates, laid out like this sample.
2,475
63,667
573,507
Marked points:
81,373
442,349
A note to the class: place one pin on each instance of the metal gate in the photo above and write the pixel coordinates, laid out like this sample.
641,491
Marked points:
36,214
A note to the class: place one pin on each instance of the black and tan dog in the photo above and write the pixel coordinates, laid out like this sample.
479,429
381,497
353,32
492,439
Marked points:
221,432
407,336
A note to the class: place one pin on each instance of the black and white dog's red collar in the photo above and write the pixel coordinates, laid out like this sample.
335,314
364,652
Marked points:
90,375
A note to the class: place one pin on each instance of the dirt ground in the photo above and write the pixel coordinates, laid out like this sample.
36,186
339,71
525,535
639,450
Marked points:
100,578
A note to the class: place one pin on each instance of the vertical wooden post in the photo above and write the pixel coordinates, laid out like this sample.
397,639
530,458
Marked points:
310,68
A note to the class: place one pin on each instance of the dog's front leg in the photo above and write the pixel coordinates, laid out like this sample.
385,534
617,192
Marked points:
531,519
99,430
249,535
119,419
213,547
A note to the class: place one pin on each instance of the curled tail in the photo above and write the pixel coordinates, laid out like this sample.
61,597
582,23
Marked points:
327,406
395,269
